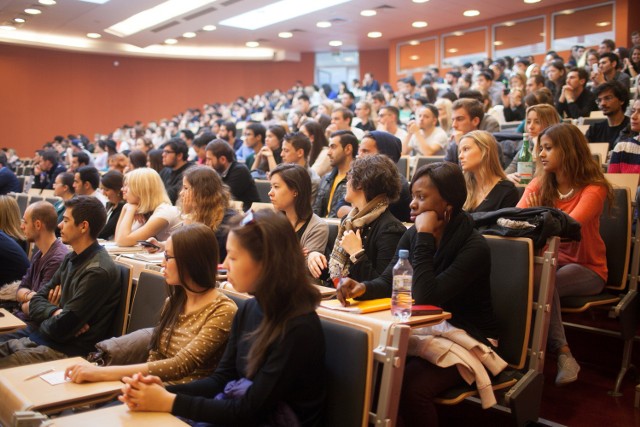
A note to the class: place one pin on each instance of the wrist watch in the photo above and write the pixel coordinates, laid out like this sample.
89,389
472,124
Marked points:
356,256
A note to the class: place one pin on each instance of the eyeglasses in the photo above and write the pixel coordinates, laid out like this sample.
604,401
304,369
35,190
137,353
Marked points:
167,257
248,218
168,152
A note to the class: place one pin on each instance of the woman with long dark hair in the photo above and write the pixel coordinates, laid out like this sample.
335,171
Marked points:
318,158
111,185
195,322
572,181
273,364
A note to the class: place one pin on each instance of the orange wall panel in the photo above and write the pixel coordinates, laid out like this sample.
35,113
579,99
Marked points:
376,62
50,92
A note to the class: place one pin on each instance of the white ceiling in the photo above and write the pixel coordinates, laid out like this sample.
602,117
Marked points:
72,19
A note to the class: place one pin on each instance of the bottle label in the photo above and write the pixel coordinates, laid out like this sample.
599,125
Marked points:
525,170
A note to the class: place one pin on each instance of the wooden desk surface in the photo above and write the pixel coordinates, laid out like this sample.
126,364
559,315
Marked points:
9,322
21,394
118,416
381,321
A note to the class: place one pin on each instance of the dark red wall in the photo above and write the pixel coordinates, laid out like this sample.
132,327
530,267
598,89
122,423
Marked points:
48,92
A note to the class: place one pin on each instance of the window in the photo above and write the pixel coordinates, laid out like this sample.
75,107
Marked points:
464,46
586,26
519,37
417,54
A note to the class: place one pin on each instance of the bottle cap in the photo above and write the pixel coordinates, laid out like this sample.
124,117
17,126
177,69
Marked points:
403,253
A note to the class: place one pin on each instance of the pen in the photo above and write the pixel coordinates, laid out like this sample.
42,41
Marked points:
37,375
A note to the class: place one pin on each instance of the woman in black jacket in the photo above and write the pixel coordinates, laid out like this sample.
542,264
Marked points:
368,235
451,269
111,184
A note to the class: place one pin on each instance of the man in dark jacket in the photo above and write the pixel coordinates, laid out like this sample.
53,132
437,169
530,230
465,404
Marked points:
45,173
75,309
174,159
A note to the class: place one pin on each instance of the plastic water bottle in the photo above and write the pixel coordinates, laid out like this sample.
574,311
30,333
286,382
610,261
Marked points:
401,296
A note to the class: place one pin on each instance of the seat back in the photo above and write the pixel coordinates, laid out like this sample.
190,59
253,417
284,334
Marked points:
256,206
615,230
263,186
22,200
148,301
334,225
34,199
125,276
236,297
403,166
512,295
629,180
21,180
348,369
425,160
601,148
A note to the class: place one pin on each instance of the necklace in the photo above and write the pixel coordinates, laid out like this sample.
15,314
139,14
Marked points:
565,196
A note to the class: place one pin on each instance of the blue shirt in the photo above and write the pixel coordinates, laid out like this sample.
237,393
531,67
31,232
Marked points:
8,181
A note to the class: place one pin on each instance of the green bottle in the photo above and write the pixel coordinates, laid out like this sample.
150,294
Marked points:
525,162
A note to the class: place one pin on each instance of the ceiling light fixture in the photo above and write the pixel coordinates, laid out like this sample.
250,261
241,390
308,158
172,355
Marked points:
252,44
47,2
420,1
374,35
458,33
532,1
7,27
603,24
471,13
414,42
323,24
452,50
368,12
335,43
509,24
94,35
189,35
148,18
419,24
567,12
209,28
32,11
95,1
498,43
170,41
19,20
279,11
414,57
285,35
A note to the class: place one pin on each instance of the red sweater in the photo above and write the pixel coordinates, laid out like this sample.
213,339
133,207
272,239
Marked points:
585,207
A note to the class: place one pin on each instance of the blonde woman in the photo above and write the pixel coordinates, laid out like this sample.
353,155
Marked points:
366,115
445,111
538,118
10,221
148,212
487,186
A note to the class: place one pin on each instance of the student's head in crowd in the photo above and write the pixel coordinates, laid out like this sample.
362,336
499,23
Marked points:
144,188
204,196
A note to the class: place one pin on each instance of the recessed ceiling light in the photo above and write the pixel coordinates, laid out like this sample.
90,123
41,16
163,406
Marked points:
458,33
33,11
279,11
160,13
323,24
285,35
420,1
335,43
532,1
498,43
603,24
509,24
170,41
94,35
47,2
567,12
209,28
471,12
374,35
7,28
252,44
452,50
189,35
419,24
368,12
19,20
414,57
414,42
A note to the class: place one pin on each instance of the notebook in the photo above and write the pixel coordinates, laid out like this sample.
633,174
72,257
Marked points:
360,307
23,389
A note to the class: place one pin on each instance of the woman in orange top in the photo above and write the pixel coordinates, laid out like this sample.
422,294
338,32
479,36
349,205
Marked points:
573,182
